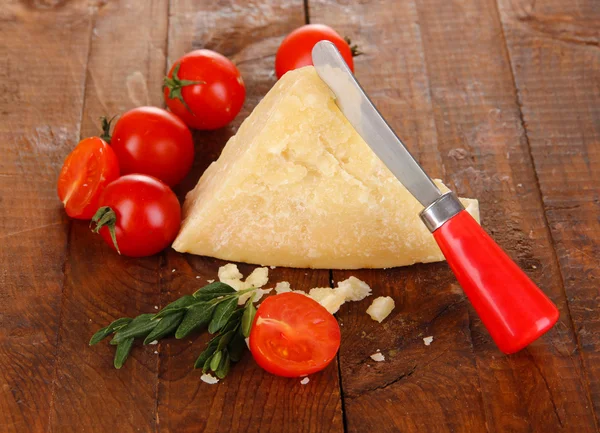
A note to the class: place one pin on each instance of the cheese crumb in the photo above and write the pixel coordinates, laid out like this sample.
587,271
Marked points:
156,307
282,287
381,308
198,277
172,270
354,289
427,340
154,342
210,281
229,271
333,302
258,278
230,274
207,378
378,357
304,381
320,293
272,267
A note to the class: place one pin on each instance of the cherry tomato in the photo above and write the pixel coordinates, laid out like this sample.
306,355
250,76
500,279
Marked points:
150,140
296,49
205,89
139,215
293,335
87,170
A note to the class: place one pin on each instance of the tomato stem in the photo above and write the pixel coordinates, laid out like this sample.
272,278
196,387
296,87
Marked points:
105,124
175,85
353,48
105,216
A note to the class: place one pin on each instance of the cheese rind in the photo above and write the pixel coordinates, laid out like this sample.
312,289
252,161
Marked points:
298,187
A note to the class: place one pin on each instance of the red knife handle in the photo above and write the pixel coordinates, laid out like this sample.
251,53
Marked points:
513,309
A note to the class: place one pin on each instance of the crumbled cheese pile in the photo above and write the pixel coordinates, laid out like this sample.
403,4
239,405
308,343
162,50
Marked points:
381,308
351,289
230,274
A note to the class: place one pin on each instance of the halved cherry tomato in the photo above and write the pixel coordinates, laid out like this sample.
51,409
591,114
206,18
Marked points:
293,335
295,50
86,171
205,89
150,140
139,215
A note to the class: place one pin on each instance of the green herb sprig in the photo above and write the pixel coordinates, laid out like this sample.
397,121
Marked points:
214,306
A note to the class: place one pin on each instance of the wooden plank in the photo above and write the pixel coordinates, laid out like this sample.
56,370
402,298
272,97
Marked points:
90,395
44,52
248,399
538,389
484,151
417,388
553,48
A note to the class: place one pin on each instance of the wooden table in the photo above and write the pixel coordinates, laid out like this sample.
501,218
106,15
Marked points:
499,98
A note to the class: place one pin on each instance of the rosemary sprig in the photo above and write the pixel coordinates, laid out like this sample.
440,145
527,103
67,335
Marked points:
213,306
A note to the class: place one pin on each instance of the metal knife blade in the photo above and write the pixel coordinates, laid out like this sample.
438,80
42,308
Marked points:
370,124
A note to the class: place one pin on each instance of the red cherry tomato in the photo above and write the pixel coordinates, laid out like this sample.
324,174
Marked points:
293,335
296,49
141,212
205,89
87,170
150,140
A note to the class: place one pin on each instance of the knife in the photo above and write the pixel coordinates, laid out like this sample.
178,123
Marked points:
513,309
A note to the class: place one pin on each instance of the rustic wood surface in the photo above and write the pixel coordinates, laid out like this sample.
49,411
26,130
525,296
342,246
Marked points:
501,98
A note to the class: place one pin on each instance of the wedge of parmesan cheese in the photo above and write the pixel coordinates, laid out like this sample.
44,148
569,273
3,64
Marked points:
380,308
298,187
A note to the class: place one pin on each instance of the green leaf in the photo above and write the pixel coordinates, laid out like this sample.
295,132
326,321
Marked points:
167,325
139,327
248,317
224,366
197,316
225,339
222,314
213,290
204,356
215,360
178,305
233,322
123,349
206,365
236,347
113,327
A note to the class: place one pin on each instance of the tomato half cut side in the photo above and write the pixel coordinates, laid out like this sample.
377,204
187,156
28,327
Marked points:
293,335
86,171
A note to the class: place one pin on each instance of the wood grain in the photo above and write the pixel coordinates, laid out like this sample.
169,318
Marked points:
41,97
100,286
472,89
497,97
395,395
484,151
553,48
249,399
